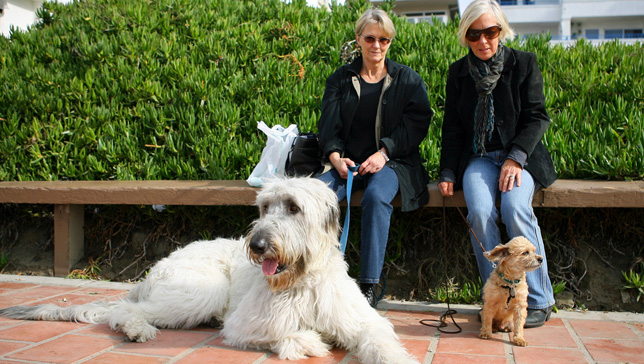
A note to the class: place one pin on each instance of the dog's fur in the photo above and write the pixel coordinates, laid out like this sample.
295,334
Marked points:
283,288
500,310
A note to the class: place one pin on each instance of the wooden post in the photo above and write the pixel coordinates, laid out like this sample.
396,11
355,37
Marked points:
69,245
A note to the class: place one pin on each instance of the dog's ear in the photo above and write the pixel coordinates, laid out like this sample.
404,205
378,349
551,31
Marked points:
498,253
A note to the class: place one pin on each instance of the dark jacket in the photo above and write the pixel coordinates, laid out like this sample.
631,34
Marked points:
520,116
403,119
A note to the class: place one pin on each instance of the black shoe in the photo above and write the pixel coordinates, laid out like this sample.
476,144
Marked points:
369,292
537,317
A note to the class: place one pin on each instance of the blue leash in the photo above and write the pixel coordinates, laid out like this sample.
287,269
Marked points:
345,228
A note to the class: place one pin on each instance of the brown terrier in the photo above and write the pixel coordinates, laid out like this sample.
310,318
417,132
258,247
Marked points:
505,294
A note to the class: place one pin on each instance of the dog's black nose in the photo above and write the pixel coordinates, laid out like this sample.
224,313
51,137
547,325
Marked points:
540,260
258,244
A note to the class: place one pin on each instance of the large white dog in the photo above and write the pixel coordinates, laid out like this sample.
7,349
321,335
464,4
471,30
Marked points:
285,288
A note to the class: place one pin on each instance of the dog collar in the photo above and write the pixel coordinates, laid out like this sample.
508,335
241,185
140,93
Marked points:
509,281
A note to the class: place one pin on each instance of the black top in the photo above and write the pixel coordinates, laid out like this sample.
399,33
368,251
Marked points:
362,135
520,116
405,114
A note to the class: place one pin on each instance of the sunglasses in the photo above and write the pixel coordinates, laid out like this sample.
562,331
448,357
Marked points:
370,39
473,35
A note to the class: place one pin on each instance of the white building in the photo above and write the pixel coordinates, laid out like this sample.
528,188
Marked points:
20,14
564,19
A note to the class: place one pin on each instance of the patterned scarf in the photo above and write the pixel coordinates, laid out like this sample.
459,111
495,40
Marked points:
485,75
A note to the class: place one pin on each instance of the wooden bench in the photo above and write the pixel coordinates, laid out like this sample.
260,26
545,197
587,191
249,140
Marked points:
69,198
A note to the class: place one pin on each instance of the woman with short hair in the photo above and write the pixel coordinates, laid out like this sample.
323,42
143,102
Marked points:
495,117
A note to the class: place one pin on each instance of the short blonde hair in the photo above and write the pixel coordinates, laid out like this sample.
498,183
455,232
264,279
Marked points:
376,16
478,8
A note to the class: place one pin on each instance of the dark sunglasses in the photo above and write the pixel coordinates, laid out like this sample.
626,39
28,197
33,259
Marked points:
371,39
473,35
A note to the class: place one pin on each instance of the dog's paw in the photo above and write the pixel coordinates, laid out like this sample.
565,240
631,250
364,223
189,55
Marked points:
302,345
485,334
519,341
139,331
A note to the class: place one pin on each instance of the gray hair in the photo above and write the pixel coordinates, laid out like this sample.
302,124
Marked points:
478,8
376,16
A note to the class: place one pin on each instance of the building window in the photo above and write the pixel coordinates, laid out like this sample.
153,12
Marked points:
632,33
613,33
592,33
507,2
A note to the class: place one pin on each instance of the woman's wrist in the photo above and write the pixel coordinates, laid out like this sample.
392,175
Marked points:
384,154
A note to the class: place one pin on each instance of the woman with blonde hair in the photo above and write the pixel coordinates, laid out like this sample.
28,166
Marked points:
495,117
375,113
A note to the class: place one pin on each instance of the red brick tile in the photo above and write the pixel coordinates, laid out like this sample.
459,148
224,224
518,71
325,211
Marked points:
42,292
8,322
218,341
554,322
101,293
601,329
610,350
465,322
16,286
33,295
551,336
167,343
537,355
411,315
206,355
12,300
7,346
470,343
412,329
66,300
67,349
417,348
36,331
101,330
336,356
446,358
111,358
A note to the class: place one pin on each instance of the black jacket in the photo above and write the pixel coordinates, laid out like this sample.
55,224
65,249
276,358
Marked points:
402,123
520,116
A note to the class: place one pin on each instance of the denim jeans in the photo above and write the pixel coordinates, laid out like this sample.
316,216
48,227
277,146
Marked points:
481,189
379,190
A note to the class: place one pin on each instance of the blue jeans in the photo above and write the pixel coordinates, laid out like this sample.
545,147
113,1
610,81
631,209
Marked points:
481,189
379,190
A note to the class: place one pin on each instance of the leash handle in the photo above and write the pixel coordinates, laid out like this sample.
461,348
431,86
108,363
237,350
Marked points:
345,228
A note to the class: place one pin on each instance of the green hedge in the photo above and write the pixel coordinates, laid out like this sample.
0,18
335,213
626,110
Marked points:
161,89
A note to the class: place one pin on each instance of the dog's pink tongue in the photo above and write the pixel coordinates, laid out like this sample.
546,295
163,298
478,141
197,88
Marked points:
269,266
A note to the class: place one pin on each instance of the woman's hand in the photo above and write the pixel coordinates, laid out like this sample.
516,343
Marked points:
340,164
510,174
446,188
373,164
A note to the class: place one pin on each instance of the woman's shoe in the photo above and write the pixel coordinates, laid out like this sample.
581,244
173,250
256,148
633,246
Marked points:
537,317
369,291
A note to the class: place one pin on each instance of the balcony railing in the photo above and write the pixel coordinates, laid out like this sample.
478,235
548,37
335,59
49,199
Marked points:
529,2
597,37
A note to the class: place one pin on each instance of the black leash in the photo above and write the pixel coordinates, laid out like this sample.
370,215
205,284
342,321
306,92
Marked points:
441,322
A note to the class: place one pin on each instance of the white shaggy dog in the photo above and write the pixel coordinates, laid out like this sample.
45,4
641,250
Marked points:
285,288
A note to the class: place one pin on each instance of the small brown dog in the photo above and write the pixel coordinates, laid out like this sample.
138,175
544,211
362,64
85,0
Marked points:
505,294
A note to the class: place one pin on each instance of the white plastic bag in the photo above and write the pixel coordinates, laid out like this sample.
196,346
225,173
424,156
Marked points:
273,159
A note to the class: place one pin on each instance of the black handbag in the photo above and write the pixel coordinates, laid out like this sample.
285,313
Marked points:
305,157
